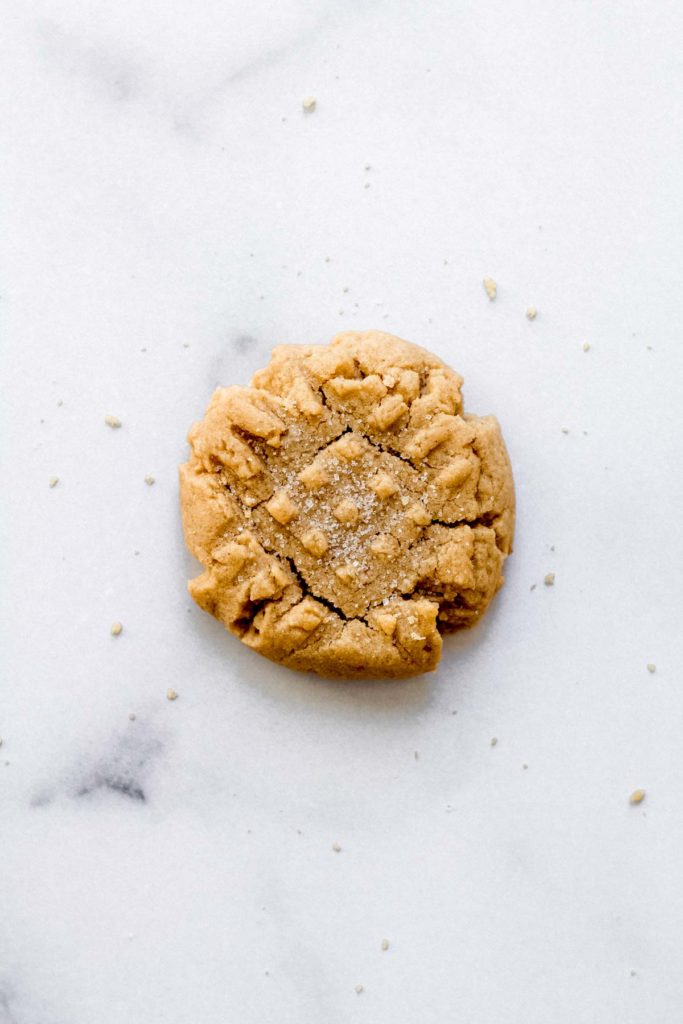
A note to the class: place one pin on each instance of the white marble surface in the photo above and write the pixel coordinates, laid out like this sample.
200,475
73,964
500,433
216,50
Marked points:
170,214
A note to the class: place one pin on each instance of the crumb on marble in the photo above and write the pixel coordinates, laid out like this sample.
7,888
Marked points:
494,741
531,313
112,421
309,103
565,430
637,796
385,944
336,847
116,629
149,479
490,287
586,346
651,668
359,989
60,401
549,579
171,695
54,480
132,716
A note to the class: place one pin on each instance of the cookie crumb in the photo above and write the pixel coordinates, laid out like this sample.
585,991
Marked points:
113,421
171,695
494,741
359,989
651,668
549,579
336,847
586,346
116,629
149,479
637,796
54,480
385,944
490,287
308,104
132,716
531,313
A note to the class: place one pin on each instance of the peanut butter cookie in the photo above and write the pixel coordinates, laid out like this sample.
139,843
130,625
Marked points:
345,509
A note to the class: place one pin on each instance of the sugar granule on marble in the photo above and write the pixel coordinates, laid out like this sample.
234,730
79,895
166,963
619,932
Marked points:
359,989
112,421
54,480
336,847
149,479
586,346
385,944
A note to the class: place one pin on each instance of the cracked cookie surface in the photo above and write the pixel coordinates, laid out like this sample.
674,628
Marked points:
346,510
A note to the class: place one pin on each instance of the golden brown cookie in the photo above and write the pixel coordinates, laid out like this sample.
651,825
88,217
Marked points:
345,509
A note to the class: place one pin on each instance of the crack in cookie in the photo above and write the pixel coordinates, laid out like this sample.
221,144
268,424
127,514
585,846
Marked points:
345,509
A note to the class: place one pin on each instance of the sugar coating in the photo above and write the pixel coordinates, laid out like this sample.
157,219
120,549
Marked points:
345,508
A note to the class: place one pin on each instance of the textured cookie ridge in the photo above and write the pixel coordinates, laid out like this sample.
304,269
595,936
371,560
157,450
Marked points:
346,510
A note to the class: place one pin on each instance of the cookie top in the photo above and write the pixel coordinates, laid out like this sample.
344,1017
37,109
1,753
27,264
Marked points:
347,512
